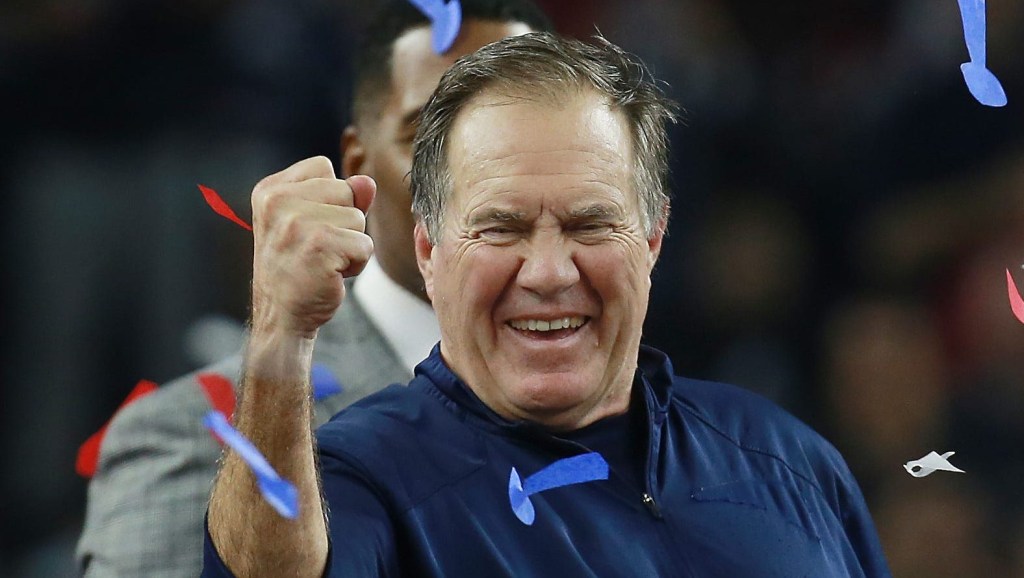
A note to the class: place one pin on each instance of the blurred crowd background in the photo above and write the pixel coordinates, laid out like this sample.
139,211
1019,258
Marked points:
844,212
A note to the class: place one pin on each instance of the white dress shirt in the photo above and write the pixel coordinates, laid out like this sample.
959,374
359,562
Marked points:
407,322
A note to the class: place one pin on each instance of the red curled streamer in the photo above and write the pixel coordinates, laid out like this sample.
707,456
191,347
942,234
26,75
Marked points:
1016,303
89,452
219,391
221,208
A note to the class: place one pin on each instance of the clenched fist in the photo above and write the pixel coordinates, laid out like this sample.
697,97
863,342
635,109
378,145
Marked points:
309,231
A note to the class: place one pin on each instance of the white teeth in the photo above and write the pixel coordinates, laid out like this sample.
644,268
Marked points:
547,325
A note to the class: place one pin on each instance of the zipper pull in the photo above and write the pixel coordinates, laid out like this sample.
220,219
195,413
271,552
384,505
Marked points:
652,505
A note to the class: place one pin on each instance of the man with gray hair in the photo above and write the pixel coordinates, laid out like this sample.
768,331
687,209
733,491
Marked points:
539,438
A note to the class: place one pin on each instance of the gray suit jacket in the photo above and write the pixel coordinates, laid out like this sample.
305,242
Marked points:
148,499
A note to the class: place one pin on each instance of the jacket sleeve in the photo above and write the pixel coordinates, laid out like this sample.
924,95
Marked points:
860,528
362,531
849,506
361,534
147,501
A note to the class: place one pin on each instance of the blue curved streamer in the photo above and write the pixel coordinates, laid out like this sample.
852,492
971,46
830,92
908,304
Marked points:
278,492
575,470
445,19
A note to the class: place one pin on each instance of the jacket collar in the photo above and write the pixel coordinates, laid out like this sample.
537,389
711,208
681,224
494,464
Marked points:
654,373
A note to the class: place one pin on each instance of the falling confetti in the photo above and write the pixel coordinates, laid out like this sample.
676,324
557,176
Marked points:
984,85
445,21
220,392
221,208
1016,303
278,492
89,452
575,470
324,383
931,463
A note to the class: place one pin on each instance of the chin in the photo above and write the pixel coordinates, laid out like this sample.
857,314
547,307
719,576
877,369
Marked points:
552,392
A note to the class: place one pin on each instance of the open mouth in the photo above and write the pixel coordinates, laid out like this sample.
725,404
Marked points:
548,328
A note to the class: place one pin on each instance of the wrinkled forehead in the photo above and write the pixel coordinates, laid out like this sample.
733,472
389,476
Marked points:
504,142
504,124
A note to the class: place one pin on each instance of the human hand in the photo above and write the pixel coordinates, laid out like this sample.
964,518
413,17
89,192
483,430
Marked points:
309,234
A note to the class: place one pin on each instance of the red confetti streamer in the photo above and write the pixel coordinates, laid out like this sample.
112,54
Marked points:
89,452
220,391
221,208
1016,303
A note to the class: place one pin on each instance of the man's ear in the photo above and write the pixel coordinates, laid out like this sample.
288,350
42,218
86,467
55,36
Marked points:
424,257
353,153
655,241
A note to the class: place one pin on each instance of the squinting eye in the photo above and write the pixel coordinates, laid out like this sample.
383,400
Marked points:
498,231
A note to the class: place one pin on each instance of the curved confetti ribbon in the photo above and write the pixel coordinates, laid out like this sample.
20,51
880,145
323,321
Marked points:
89,452
984,85
278,492
931,463
445,20
219,391
324,382
575,470
221,208
1016,303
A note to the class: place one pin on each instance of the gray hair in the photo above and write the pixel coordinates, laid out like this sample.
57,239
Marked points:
551,65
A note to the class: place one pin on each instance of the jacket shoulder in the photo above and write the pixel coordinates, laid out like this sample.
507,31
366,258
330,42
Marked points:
172,412
753,423
406,441
157,462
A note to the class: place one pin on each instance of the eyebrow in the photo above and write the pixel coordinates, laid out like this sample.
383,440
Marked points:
497,216
598,211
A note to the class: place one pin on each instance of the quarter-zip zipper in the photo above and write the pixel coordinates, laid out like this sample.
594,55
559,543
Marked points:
652,505
648,495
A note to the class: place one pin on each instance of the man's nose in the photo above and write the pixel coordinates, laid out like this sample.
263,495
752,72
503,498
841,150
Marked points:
548,266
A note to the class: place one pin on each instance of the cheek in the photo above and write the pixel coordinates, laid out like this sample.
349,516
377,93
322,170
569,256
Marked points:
619,275
394,163
477,277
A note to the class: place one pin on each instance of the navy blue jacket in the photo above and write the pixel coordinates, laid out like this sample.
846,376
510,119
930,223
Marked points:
417,482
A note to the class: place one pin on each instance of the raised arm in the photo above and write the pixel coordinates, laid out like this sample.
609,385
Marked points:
308,229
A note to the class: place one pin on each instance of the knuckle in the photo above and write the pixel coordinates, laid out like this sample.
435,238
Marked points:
288,229
359,220
319,241
262,185
272,201
258,197
366,245
342,190
266,200
265,185
322,165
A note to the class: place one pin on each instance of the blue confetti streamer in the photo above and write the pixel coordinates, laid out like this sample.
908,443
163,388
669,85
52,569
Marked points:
984,85
278,492
324,382
575,470
445,20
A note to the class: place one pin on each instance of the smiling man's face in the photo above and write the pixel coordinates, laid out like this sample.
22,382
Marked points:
542,273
